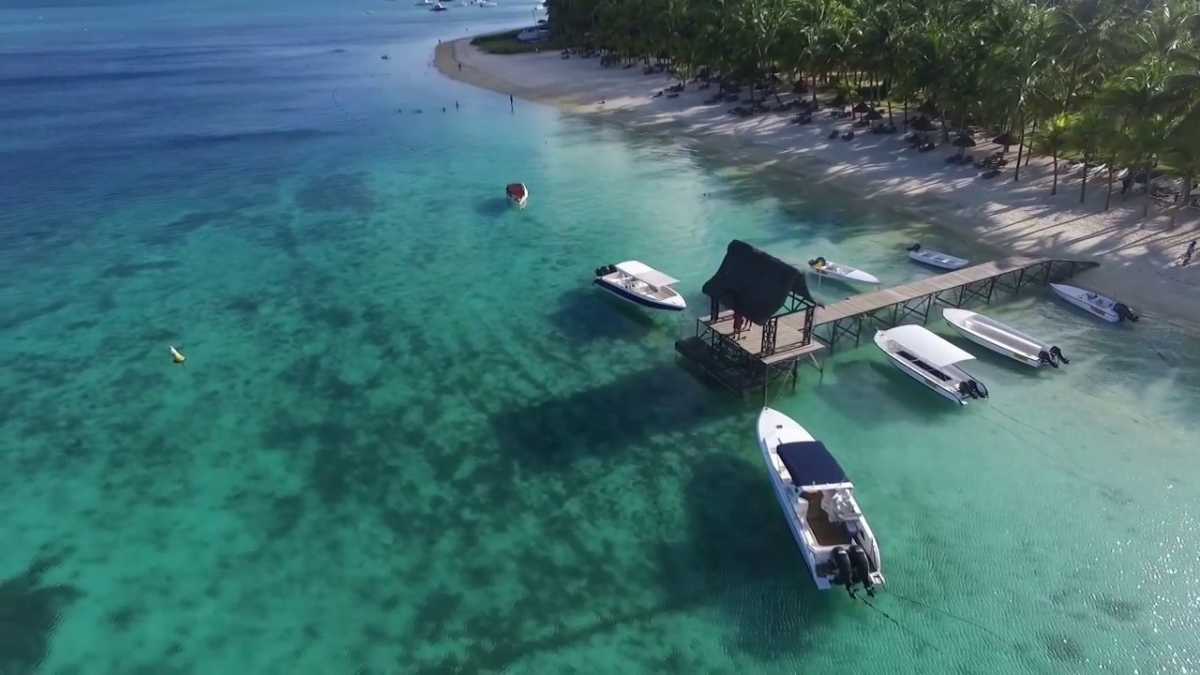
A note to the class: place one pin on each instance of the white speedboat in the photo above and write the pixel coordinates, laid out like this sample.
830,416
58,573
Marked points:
424,3
1003,339
819,505
937,259
1098,305
641,284
930,360
438,7
826,268
517,193
485,3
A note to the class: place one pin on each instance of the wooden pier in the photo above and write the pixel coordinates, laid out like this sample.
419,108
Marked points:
742,360
915,300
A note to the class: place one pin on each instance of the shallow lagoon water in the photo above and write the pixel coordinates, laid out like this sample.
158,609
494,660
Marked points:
410,437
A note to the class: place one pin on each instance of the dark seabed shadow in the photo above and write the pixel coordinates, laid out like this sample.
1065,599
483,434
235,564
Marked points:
607,419
493,207
585,314
738,554
29,613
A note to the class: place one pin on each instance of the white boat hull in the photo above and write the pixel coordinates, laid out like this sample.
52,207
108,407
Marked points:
636,290
1004,340
938,259
774,429
992,346
904,367
1093,303
845,273
945,379
518,199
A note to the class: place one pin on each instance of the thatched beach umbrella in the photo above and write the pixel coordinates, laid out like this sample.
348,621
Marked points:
874,115
861,107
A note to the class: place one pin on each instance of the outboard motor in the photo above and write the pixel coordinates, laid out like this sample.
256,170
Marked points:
914,247
1057,353
1046,358
599,271
862,567
972,388
1124,312
845,575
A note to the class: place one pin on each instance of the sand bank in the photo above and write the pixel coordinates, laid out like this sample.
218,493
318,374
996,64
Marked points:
1136,254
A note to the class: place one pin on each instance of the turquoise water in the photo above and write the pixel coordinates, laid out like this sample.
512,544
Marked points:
410,437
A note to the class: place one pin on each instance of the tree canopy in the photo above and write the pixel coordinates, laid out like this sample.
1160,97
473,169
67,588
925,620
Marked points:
1111,82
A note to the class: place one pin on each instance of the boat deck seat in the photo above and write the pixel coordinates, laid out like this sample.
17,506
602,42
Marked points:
826,532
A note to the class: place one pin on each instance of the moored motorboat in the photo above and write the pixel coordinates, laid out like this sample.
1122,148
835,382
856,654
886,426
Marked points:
1094,303
820,507
517,193
930,360
438,7
826,268
637,282
937,259
1003,339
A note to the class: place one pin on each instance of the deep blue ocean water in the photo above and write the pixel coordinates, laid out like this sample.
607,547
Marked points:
411,437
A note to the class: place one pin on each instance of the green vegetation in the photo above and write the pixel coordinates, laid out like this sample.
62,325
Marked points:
1114,83
507,43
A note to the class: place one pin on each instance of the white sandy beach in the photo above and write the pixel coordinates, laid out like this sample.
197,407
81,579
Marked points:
1136,255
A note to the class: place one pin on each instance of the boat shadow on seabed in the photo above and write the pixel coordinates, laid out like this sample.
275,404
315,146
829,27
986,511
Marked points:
605,421
738,554
586,314
492,207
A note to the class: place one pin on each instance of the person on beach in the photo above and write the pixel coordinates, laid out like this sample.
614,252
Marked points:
1187,255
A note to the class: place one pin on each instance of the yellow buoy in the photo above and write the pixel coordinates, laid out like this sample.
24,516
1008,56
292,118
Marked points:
176,355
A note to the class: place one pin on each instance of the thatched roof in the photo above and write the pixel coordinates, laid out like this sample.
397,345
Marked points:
753,283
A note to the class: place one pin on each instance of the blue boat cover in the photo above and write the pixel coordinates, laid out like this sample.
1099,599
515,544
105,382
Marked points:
810,463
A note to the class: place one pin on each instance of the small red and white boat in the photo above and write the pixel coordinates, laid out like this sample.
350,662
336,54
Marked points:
517,193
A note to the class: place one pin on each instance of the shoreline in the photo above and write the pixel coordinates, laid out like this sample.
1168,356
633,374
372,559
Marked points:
1135,256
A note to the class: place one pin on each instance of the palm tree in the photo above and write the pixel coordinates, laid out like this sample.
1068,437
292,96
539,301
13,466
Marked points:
1183,88
1084,135
1077,34
1051,139
1117,81
1141,92
1182,153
